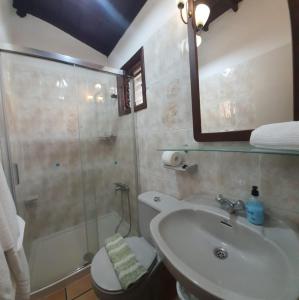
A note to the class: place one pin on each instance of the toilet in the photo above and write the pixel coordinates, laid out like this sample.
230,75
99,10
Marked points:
104,279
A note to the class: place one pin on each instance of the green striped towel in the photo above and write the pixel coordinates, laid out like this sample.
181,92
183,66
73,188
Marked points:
125,264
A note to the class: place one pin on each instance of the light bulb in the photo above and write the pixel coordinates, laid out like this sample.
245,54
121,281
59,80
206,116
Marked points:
100,99
89,98
198,40
180,3
202,14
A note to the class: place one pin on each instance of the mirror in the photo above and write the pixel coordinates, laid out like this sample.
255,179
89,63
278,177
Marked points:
244,71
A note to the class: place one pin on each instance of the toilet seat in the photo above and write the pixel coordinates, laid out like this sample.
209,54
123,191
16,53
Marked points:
102,271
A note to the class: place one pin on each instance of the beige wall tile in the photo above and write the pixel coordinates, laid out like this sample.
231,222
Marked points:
167,122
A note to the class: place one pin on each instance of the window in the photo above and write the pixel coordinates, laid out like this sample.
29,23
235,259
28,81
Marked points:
134,68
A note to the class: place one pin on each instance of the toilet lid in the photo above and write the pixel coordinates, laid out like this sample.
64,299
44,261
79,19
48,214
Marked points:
102,271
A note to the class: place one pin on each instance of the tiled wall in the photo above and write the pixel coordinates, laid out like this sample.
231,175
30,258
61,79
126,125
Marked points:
59,118
168,122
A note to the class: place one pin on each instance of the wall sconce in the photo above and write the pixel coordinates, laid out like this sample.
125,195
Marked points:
200,13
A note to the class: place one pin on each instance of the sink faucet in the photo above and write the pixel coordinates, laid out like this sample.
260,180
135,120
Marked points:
230,206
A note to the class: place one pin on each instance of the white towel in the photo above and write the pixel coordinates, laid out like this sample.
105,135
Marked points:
6,285
277,136
21,227
19,272
9,230
14,277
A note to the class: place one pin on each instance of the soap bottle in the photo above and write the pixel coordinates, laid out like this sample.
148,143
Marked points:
255,210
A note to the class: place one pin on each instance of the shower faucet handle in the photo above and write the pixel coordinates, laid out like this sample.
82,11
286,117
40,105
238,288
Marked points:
121,187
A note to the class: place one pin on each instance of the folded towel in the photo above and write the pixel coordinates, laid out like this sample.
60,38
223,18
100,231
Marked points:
125,264
277,136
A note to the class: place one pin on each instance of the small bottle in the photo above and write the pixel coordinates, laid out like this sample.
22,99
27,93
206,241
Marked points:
255,210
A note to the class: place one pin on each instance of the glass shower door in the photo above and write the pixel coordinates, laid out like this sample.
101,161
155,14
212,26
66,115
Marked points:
108,156
98,113
41,107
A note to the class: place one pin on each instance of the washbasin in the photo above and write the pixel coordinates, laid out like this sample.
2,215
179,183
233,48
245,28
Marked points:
216,255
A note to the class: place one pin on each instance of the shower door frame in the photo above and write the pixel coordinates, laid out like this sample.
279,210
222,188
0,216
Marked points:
9,48
72,61
51,56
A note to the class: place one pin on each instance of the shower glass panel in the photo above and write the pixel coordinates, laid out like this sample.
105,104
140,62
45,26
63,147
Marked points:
72,161
96,119
108,155
41,108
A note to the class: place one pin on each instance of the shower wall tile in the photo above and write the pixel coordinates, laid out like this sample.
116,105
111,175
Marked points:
279,182
43,130
104,161
57,117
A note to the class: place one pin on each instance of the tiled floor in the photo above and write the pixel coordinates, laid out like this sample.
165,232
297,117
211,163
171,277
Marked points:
80,289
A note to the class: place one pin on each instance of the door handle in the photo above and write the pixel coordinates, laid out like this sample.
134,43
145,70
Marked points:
16,174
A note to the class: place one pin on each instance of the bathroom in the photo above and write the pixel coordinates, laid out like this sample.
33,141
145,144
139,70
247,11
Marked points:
84,157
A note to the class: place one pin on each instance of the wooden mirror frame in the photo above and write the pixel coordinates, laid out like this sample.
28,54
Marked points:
243,135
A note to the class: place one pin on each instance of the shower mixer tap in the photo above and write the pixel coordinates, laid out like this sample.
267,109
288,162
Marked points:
121,187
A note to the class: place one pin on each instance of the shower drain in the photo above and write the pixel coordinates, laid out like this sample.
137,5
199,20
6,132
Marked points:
220,253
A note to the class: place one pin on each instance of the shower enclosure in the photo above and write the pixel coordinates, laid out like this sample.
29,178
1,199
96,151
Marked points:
64,147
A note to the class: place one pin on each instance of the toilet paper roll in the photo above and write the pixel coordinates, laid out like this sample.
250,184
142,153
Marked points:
173,158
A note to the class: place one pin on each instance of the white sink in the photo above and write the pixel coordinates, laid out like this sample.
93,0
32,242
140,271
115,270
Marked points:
262,262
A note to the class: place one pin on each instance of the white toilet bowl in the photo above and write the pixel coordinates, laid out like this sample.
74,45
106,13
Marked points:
105,282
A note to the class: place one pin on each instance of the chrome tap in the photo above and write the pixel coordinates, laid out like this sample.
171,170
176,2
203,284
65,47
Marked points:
230,206
121,187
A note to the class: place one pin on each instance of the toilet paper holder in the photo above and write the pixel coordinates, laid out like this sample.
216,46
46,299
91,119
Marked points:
190,168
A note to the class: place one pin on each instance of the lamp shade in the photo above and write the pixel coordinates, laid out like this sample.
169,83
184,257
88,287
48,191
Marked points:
180,3
202,13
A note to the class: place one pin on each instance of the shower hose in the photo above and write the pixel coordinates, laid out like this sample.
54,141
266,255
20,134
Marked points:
123,212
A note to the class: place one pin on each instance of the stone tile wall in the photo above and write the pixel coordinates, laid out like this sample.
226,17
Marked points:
168,122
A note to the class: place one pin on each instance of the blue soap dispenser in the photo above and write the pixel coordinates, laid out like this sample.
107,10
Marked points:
255,210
